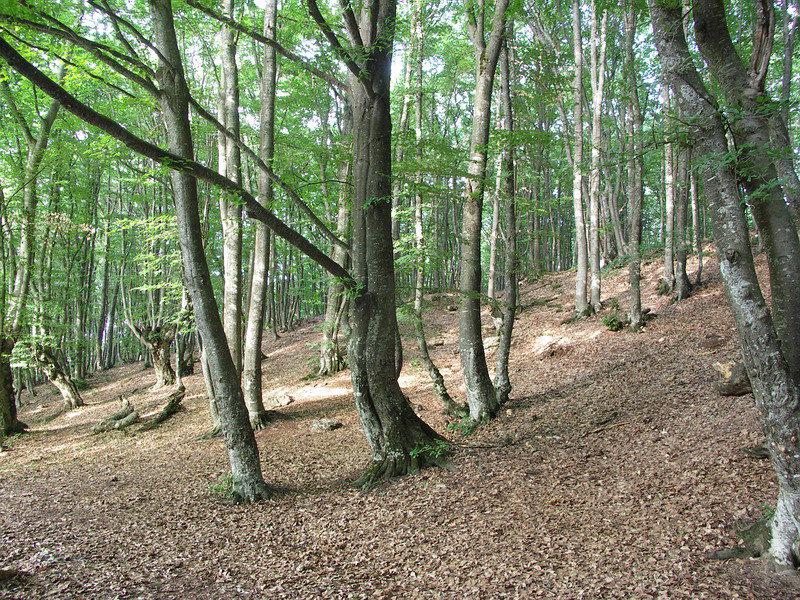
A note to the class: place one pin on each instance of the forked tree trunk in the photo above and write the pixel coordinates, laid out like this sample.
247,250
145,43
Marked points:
400,440
481,395
776,393
58,376
744,89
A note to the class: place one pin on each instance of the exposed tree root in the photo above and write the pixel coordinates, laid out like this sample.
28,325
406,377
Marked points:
121,419
396,465
213,433
258,422
172,406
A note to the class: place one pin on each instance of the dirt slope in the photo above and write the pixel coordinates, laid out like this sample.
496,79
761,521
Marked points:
612,473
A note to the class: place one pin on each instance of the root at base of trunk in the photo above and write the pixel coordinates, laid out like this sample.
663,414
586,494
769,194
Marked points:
397,465
261,421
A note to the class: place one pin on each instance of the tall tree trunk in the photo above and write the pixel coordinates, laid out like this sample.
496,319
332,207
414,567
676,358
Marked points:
449,406
481,395
502,382
683,286
598,65
635,172
239,439
697,236
396,435
668,281
230,208
744,90
776,392
251,374
581,250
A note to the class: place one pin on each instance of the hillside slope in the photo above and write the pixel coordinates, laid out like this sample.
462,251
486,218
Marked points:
613,472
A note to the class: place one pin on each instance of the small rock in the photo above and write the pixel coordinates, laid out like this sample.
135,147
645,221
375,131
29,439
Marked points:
452,308
419,408
284,400
325,425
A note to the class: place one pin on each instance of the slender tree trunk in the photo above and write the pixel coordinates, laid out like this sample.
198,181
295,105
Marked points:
581,250
251,375
230,208
239,439
696,227
635,173
668,281
481,395
683,286
598,82
448,404
502,382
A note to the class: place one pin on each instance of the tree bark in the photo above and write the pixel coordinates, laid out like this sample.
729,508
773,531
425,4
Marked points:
251,374
776,393
581,250
230,209
239,439
598,64
635,172
502,381
744,90
481,395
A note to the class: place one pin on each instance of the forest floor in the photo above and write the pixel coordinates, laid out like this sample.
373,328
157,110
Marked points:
614,471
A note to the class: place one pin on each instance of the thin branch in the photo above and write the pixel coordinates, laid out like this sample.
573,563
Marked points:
269,173
260,37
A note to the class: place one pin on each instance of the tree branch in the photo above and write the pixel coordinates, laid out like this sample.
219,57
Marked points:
166,158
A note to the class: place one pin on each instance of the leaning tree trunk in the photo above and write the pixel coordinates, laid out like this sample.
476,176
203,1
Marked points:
239,439
744,90
776,393
251,375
